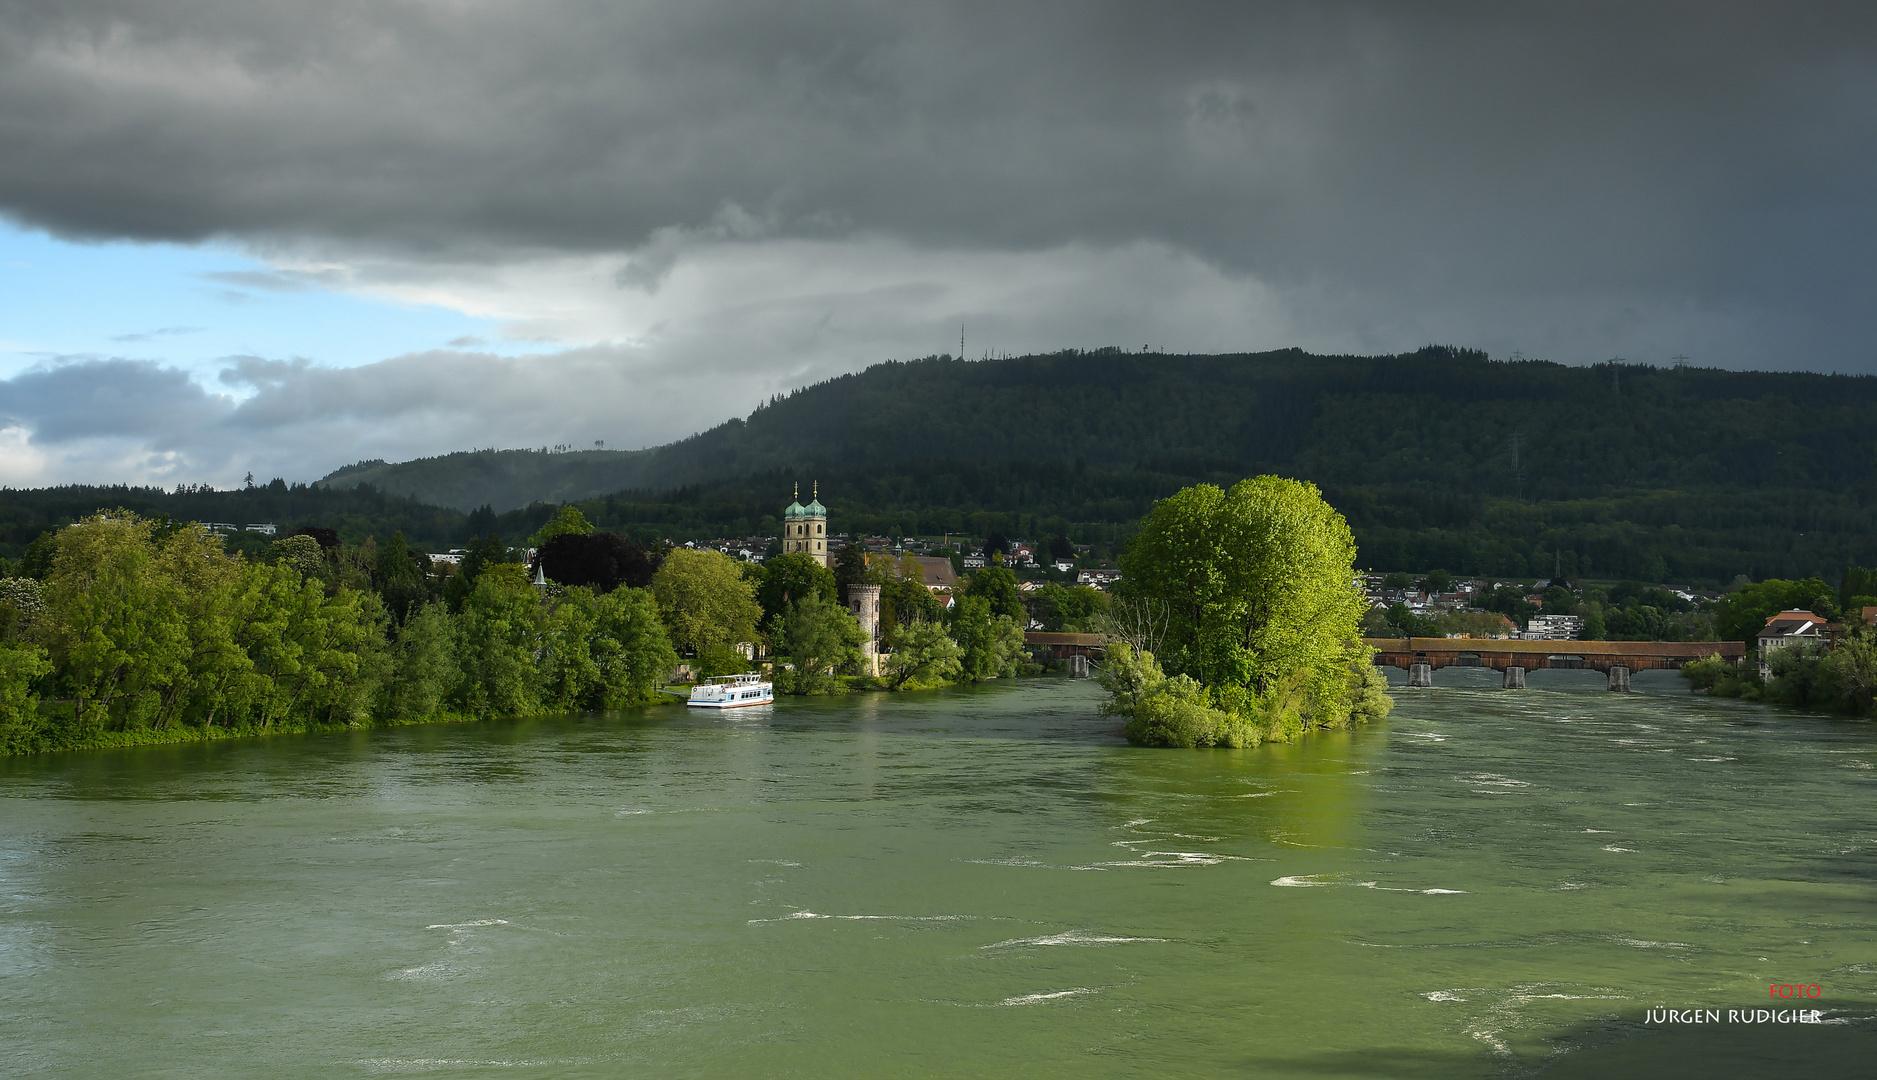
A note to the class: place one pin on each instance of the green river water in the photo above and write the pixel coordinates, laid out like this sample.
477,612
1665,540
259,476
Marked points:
976,883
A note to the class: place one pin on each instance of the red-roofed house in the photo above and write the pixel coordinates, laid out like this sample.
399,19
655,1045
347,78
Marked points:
1786,628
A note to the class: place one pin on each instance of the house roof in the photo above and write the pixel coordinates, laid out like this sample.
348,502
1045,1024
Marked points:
938,572
1793,623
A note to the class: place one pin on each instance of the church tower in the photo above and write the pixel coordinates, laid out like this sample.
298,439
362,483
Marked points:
805,528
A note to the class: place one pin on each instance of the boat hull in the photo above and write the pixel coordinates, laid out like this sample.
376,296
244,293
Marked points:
730,704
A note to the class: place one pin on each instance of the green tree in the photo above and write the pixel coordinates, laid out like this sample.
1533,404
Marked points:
1403,622
568,519
631,648
1741,616
570,673
1849,674
398,578
36,561
1068,608
424,668
482,553
819,638
992,645
22,665
300,551
498,633
705,600
113,623
925,656
1260,583
782,580
998,587
850,568
904,601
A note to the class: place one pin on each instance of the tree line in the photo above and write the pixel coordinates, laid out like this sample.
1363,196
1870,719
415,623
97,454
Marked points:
121,628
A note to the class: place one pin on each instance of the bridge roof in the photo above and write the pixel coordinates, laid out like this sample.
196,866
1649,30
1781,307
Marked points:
1502,646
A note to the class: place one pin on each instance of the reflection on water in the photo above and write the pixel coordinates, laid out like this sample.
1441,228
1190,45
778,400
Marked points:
979,883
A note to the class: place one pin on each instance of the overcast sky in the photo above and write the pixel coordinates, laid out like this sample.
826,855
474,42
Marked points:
279,236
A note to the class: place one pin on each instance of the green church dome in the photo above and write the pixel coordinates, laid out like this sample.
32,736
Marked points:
815,509
794,511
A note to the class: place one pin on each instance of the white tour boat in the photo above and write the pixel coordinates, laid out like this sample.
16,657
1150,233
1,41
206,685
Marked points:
733,692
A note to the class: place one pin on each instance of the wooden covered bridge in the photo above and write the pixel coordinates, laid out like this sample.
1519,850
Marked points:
1419,657
1617,659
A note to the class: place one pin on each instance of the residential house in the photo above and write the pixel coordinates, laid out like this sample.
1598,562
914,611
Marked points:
1788,628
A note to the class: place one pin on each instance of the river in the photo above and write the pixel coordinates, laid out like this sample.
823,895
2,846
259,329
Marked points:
974,883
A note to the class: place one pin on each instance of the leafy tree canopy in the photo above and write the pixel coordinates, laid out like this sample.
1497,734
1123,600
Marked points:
783,580
705,600
567,521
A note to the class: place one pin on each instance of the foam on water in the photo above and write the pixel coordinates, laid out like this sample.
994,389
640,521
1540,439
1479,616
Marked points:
799,915
1070,937
1054,995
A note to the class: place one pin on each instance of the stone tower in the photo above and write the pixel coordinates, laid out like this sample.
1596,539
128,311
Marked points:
805,528
863,602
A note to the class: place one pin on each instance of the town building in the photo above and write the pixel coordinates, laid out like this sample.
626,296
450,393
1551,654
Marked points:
1788,628
937,574
805,528
1554,627
1100,579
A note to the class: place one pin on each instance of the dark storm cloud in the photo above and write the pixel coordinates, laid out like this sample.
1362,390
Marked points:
1601,162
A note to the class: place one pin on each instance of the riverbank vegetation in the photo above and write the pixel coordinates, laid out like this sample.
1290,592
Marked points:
1240,620
149,631
1842,679
122,629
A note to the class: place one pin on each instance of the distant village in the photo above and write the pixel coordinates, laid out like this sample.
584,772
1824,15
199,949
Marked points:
943,560
1432,596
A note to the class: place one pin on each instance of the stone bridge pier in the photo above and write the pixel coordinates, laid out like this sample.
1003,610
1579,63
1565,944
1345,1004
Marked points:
1619,678
1515,677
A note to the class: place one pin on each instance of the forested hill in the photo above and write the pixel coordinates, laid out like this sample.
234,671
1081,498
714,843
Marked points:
504,479
1440,458
1439,420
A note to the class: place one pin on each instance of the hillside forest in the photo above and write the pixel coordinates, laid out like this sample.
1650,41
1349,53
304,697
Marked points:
1440,457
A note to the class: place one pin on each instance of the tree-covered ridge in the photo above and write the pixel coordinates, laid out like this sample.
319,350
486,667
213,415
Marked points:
504,479
1441,417
355,513
1439,458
